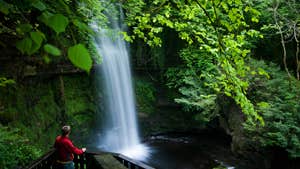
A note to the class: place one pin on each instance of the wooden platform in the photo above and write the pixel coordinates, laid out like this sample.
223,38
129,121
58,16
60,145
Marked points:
108,161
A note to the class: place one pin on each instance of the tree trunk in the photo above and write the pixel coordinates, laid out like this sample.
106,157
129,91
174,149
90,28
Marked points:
282,39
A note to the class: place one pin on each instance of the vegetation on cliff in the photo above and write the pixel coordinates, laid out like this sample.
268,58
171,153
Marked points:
218,41
206,51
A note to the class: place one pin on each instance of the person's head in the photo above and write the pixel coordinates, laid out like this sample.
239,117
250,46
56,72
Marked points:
65,130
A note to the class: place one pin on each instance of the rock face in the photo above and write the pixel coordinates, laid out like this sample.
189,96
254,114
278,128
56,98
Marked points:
44,97
231,122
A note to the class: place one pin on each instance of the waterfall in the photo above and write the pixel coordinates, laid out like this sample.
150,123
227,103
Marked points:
120,130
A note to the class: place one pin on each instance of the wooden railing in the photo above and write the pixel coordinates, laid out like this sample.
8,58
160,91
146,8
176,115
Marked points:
86,161
45,162
130,163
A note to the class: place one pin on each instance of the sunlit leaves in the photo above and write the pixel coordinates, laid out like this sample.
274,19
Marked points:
58,23
4,81
216,28
33,26
80,57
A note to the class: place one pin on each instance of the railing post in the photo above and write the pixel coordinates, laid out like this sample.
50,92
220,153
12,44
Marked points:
82,161
75,160
45,162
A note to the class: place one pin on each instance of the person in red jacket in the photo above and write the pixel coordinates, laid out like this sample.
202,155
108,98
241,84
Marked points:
66,150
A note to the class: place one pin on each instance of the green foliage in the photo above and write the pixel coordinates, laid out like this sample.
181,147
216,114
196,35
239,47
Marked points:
218,29
192,83
4,81
39,5
52,50
277,100
80,57
5,7
41,102
80,106
25,46
16,150
57,22
34,24
37,102
281,29
145,96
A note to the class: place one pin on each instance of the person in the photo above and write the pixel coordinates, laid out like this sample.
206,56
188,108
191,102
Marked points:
65,149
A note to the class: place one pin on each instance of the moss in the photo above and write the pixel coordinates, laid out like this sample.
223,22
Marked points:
157,110
145,95
23,152
80,104
78,95
36,108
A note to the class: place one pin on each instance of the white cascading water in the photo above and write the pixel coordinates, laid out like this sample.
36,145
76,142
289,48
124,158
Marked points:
120,132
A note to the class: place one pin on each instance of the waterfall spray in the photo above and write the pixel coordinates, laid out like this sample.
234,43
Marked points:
120,130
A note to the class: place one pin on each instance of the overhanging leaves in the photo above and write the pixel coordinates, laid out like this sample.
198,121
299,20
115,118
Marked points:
37,37
24,45
57,22
80,57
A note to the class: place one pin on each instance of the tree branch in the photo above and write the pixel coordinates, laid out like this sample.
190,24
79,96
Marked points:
297,52
275,8
213,23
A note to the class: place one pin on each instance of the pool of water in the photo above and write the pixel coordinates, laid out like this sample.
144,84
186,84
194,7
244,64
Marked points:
185,150
190,151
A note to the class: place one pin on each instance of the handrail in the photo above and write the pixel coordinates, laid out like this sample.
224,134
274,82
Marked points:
43,161
47,161
126,161
130,163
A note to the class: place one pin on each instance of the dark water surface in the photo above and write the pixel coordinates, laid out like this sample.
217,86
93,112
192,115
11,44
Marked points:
191,151
185,150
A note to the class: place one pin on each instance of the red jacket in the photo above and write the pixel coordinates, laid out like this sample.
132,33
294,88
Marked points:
65,148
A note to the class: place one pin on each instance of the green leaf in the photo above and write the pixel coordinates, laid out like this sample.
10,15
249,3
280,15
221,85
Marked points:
80,57
4,81
52,50
23,28
5,7
44,17
46,59
37,37
82,26
34,48
39,5
24,45
58,23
